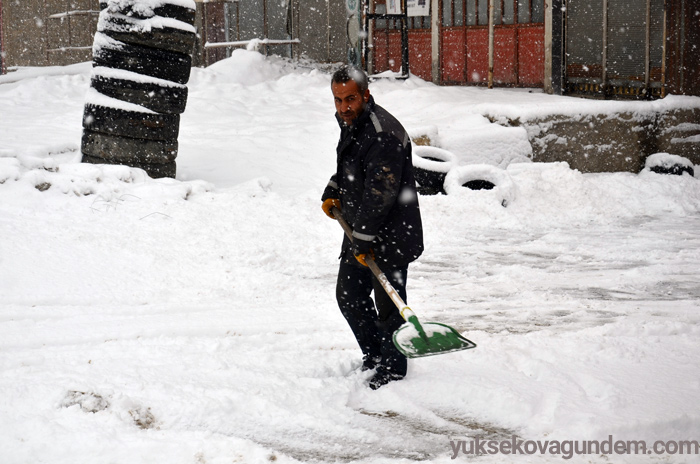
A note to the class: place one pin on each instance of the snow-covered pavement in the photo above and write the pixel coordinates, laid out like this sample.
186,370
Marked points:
194,321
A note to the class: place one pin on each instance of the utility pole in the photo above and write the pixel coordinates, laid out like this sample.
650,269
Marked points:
491,34
2,45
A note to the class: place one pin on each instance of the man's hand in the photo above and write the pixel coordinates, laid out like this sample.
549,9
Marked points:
328,206
361,250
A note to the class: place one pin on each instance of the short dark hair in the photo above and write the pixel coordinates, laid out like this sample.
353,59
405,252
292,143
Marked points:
351,73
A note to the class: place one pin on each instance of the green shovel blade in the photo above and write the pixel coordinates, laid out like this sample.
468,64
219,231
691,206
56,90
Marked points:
436,338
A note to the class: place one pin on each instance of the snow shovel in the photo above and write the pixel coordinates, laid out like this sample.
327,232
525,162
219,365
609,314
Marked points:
413,339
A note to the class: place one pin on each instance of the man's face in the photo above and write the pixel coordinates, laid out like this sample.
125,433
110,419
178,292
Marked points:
348,102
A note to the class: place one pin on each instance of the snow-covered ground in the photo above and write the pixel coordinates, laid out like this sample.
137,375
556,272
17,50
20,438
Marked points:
194,321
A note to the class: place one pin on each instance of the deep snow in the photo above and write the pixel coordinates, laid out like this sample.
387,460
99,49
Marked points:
194,321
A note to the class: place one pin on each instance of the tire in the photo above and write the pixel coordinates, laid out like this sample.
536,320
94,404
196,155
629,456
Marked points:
463,179
155,97
125,150
149,61
666,163
154,171
128,31
430,166
168,10
479,184
676,170
132,124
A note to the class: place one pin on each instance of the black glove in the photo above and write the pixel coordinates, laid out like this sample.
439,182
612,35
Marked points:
360,249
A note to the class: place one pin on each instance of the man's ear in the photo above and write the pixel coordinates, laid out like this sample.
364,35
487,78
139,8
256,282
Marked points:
366,96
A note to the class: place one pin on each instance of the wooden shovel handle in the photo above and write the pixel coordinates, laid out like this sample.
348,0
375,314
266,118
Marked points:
386,285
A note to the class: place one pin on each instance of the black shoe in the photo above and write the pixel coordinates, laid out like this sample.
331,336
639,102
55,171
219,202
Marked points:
382,378
369,363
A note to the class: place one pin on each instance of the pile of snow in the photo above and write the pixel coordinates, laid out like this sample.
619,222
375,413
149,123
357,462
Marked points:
194,319
102,182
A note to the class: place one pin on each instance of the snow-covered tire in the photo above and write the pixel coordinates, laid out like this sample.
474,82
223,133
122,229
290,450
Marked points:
129,31
125,150
463,179
155,171
169,99
153,62
430,166
172,10
676,170
666,163
114,121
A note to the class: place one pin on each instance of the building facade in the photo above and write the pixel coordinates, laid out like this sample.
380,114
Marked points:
461,32
596,48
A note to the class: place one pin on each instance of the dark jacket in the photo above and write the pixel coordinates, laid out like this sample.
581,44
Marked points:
375,184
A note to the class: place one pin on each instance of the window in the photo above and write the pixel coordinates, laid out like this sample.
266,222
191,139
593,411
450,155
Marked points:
380,9
508,12
483,12
459,12
476,12
471,12
447,12
419,22
537,11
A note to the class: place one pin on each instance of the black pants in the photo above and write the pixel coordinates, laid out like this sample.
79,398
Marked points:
373,328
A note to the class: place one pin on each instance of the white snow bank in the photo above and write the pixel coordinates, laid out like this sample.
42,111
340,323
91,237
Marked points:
21,73
104,183
548,105
245,68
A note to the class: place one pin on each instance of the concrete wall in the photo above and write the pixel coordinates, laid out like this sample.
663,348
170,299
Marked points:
615,142
679,133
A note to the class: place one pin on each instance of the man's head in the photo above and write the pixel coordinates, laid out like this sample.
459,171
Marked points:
350,88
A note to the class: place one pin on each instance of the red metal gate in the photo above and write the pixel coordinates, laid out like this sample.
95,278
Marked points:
386,44
682,44
518,42
464,52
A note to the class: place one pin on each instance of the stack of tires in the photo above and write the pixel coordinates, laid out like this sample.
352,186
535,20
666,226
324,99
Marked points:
142,56
437,171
